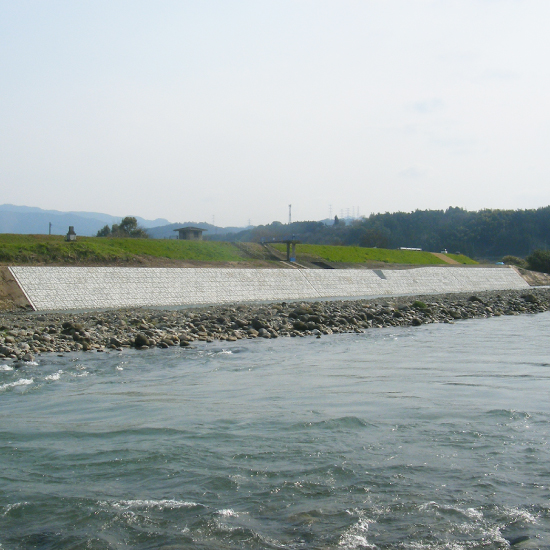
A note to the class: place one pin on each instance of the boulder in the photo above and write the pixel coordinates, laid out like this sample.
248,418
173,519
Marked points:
141,340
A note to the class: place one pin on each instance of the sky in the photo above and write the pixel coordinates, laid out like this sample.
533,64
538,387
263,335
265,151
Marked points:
227,111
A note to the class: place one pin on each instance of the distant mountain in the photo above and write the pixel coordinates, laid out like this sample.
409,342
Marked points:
33,220
167,231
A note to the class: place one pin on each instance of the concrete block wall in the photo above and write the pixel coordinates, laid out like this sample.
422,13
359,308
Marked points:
73,288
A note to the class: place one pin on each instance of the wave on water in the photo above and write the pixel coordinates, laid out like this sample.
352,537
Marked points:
163,504
228,513
54,376
509,414
4,368
355,537
344,422
9,507
20,382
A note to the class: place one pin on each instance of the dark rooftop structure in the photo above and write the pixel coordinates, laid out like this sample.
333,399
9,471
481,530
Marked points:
190,233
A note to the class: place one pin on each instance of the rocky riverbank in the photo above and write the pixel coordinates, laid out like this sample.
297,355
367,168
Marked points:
24,335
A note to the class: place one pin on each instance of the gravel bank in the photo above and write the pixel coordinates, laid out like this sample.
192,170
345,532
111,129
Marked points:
24,335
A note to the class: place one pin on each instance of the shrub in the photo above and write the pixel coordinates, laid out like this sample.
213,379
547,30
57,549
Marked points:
514,260
419,305
539,260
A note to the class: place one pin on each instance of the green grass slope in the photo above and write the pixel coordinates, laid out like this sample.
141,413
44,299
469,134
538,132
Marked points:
461,259
54,249
46,249
358,254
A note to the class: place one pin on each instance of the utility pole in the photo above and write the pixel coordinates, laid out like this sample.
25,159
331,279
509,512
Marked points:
50,229
289,214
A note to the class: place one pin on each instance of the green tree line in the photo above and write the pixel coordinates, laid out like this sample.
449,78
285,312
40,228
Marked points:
482,234
128,227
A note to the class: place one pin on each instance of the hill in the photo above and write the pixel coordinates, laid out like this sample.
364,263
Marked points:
30,220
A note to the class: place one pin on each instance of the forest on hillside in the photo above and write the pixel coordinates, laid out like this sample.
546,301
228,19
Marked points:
478,234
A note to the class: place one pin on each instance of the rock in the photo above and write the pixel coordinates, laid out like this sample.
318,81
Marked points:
530,298
115,342
28,357
141,340
258,324
415,322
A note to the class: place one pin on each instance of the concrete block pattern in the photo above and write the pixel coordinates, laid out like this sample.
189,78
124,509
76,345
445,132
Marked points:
73,288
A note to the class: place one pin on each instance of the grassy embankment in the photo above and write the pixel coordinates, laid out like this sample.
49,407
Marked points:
358,254
45,249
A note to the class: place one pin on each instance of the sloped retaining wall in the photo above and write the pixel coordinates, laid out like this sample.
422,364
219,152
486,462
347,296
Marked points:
72,288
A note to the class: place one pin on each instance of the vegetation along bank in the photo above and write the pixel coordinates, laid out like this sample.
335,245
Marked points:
23,335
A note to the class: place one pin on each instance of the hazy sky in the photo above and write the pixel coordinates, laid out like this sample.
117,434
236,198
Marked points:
192,109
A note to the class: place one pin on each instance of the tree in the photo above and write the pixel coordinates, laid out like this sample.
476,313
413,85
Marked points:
105,232
128,227
539,260
514,260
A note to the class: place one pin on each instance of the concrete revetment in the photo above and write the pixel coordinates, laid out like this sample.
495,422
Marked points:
74,288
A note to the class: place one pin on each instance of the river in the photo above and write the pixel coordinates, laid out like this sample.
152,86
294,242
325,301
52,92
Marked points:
431,437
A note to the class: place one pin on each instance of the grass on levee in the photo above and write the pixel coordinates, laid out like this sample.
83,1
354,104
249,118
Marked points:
54,249
461,259
358,254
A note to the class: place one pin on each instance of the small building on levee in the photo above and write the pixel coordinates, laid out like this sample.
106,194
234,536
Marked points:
190,233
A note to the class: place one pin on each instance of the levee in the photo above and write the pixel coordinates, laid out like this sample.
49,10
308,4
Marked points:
75,288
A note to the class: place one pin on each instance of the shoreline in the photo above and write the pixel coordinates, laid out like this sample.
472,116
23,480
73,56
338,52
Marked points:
24,335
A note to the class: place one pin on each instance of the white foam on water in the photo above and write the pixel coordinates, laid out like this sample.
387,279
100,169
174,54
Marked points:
20,382
5,368
163,504
14,506
428,505
515,514
31,363
356,535
120,368
473,513
228,513
54,376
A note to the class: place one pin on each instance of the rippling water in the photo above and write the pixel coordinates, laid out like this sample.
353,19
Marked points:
428,437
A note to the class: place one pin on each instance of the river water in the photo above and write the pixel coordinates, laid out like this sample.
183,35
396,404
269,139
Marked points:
428,437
